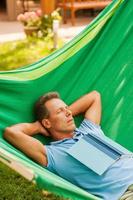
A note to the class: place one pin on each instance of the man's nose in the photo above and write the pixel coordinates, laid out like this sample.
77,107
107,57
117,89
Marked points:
68,112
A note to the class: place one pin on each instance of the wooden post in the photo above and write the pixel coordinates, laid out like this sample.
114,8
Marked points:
11,9
47,6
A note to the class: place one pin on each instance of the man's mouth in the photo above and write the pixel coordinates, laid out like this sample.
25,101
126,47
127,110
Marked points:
70,120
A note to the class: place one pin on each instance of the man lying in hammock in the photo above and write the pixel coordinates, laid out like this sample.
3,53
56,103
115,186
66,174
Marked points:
55,119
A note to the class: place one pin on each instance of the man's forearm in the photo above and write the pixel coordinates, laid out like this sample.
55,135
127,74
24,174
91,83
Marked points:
82,104
25,128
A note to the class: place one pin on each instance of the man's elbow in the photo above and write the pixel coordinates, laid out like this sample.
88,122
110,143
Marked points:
96,95
8,133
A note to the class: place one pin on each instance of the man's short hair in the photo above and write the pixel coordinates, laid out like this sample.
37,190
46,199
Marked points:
41,110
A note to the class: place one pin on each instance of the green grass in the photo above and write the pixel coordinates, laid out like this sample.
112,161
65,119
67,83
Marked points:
20,53
15,187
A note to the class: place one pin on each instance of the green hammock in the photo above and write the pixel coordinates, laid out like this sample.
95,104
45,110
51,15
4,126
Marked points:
99,58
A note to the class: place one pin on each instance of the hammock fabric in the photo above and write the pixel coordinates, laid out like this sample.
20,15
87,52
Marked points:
99,58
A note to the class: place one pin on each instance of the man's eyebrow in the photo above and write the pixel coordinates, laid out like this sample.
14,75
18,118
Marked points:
59,108
65,106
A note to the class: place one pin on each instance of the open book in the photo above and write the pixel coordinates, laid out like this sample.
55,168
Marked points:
97,153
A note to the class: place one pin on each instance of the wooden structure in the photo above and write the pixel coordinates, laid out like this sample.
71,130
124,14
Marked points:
74,5
11,9
47,6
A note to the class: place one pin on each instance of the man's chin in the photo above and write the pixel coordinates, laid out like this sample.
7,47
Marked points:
72,128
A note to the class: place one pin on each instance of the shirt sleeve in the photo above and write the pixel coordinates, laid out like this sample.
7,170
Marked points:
50,158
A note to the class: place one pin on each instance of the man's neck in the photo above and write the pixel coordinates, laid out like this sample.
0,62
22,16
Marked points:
61,136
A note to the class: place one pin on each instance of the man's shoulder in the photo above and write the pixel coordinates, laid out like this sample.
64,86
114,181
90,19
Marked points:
86,124
89,126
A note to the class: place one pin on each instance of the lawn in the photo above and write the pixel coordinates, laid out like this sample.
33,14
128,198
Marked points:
20,53
13,55
15,187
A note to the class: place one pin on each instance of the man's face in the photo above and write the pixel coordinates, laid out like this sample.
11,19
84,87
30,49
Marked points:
60,117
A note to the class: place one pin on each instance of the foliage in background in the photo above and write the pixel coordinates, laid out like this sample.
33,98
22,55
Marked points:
20,53
47,21
15,187
30,19
43,24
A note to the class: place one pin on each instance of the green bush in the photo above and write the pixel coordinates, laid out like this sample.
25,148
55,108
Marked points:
20,53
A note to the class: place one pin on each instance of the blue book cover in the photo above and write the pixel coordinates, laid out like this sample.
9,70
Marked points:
97,153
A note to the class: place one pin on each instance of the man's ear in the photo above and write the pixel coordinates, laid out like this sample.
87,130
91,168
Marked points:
46,123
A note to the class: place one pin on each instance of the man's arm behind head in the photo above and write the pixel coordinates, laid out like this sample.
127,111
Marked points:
19,135
89,105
